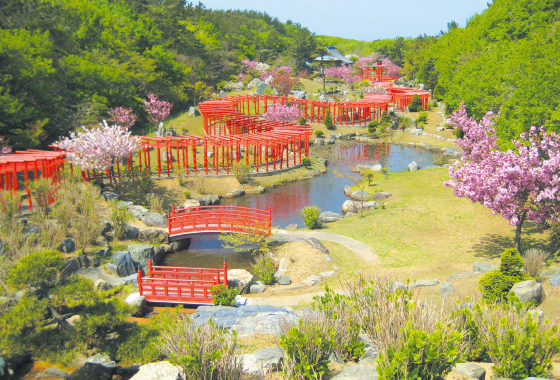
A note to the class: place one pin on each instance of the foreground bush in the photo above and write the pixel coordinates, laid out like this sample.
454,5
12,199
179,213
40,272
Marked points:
307,345
310,215
415,340
495,285
337,307
519,344
223,295
265,269
205,352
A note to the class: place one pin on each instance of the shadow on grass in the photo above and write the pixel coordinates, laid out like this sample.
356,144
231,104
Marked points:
492,246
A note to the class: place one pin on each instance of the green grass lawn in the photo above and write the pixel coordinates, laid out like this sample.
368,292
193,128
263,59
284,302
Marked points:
425,228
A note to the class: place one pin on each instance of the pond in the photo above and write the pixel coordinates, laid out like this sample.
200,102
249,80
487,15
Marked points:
324,191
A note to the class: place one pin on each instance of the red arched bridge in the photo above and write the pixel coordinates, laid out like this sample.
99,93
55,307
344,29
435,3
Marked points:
180,284
182,222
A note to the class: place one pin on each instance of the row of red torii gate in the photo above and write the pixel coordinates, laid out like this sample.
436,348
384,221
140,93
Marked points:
233,129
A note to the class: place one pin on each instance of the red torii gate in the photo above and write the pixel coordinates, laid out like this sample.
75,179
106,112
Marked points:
271,144
223,116
375,73
48,164
403,96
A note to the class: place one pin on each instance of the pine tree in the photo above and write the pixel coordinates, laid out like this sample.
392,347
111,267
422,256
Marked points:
415,104
329,124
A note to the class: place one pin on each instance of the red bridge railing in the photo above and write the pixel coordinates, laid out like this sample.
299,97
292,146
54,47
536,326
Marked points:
207,219
180,284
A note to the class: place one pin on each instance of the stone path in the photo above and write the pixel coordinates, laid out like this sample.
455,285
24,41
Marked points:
353,245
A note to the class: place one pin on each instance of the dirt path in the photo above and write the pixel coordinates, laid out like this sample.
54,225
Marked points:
353,245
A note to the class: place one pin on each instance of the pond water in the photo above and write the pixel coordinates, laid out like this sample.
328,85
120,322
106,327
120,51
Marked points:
324,191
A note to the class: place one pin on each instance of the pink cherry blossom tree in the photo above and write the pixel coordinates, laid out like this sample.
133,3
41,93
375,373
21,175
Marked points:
392,69
123,117
520,184
99,148
280,112
4,149
157,109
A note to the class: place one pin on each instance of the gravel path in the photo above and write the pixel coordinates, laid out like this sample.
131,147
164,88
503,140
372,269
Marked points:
355,246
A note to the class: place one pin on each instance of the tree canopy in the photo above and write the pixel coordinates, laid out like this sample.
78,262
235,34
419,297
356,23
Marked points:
66,63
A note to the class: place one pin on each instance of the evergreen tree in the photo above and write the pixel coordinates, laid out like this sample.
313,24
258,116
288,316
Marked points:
329,124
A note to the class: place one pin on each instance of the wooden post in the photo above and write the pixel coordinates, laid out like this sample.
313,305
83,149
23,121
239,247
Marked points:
140,282
225,272
150,268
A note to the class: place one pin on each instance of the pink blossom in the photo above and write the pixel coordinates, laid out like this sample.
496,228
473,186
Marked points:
392,69
158,109
284,113
5,149
122,116
99,148
338,72
274,72
519,184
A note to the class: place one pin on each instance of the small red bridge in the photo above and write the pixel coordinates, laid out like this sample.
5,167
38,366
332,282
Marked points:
180,284
211,219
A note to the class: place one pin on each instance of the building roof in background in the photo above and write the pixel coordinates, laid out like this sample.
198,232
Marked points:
333,56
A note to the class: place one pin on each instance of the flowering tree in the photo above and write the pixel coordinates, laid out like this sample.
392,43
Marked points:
377,89
520,184
5,149
284,113
99,148
274,72
283,83
392,69
338,72
158,109
123,117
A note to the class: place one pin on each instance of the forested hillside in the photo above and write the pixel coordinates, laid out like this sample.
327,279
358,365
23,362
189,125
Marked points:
64,63
506,59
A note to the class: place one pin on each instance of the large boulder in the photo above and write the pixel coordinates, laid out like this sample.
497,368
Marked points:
381,195
446,289
235,193
416,132
299,94
92,371
67,245
138,302
413,166
347,190
131,233
354,206
239,279
311,280
261,87
359,195
470,371
110,196
329,216
528,291
484,266
357,372
153,236
141,253
269,358
158,371
316,244
153,219
126,266
257,287
138,211
193,112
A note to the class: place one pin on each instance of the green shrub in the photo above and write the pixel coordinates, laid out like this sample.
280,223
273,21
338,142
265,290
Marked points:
421,355
307,348
372,127
415,104
302,121
265,269
310,215
120,216
329,124
223,295
459,133
205,352
306,161
518,343
338,307
495,285
319,133
241,172
36,269
423,117
187,194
